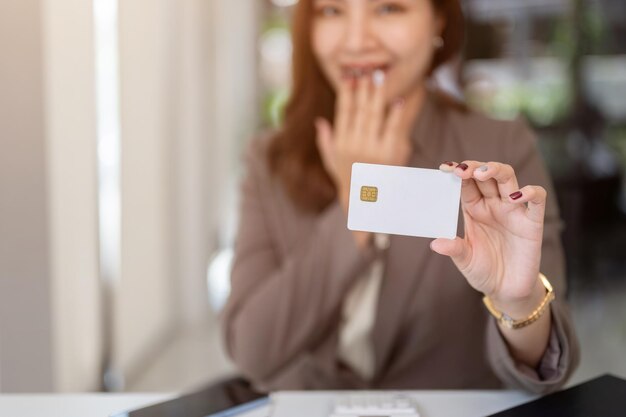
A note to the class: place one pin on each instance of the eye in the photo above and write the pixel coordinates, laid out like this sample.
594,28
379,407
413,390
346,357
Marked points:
328,11
389,8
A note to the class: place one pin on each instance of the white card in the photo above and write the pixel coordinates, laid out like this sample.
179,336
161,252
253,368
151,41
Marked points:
404,201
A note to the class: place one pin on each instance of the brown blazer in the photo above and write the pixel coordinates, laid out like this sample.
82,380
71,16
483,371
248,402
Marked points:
292,271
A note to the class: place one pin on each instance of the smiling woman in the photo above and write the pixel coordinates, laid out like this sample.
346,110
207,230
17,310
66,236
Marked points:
316,306
405,32
319,29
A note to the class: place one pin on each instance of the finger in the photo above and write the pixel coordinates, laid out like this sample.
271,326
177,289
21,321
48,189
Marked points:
377,106
458,249
447,166
503,175
360,108
391,131
325,141
470,194
536,197
488,188
343,111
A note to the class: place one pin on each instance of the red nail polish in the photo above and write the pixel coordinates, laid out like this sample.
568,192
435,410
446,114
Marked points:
448,163
516,195
462,166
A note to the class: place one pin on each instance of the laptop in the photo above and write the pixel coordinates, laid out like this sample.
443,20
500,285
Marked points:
604,396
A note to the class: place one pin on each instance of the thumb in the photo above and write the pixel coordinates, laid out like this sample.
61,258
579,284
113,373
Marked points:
324,140
458,249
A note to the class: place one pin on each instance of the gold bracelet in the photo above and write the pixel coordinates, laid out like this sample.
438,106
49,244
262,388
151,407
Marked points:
510,323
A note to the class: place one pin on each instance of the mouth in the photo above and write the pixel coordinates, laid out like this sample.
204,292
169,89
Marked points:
354,72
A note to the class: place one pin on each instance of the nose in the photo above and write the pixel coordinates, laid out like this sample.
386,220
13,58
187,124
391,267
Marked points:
357,35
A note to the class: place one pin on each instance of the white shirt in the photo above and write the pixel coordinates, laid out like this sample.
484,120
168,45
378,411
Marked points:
359,314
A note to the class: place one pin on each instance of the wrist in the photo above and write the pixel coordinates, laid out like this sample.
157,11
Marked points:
519,307
514,313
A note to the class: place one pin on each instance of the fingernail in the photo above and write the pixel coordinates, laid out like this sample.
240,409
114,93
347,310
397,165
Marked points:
448,163
378,77
516,195
483,168
446,168
398,102
462,166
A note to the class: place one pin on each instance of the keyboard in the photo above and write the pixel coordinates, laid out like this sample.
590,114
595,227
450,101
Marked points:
374,405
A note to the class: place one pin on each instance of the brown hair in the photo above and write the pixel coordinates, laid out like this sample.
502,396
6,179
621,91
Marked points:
293,155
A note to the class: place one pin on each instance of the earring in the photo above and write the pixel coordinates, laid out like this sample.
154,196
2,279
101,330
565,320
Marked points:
438,42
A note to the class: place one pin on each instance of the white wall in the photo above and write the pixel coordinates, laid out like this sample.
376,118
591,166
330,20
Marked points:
145,312
50,324
72,183
188,101
237,104
25,324
193,214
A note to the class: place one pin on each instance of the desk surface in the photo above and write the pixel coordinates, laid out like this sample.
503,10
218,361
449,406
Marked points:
74,405
430,403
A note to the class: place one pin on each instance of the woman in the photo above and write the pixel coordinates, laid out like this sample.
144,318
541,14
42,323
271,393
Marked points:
316,306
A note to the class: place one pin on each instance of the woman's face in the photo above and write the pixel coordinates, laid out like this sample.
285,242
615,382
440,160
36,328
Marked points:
355,37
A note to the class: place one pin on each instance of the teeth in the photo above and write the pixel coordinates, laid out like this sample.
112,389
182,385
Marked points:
378,74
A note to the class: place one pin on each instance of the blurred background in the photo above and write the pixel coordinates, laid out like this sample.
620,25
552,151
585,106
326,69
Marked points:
121,129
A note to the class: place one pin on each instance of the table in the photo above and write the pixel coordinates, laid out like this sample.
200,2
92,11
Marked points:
430,403
74,405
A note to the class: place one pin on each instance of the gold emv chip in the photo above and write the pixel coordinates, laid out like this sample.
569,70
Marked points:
369,194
